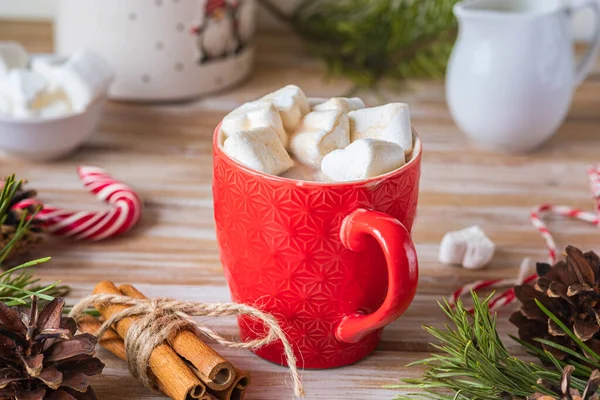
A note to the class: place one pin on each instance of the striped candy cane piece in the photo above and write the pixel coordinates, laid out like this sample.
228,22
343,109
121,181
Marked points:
594,177
494,284
536,220
94,225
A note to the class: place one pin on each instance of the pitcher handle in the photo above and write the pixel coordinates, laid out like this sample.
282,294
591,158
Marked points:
402,265
588,61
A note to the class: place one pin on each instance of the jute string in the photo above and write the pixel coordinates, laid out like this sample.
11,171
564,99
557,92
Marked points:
159,318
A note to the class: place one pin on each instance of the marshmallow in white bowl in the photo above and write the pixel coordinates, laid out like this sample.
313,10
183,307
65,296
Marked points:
469,247
24,87
85,77
255,114
48,65
54,109
12,55
319,133
292,105
49,136
362,159
345,104
390,122
6,104
259,149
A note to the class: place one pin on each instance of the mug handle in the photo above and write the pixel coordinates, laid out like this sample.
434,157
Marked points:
588,61
402,265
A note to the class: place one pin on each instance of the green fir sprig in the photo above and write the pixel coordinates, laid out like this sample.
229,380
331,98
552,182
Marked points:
16,284
474,364
367,41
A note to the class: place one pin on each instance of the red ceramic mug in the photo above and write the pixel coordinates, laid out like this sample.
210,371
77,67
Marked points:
334,262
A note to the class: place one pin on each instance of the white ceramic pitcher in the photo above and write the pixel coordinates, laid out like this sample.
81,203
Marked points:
512,72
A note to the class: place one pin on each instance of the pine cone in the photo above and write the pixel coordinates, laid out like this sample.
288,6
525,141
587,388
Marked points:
565,392
31,237
570,290
41,357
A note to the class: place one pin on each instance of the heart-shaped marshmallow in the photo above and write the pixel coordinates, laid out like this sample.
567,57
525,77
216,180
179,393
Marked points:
469,247
362,159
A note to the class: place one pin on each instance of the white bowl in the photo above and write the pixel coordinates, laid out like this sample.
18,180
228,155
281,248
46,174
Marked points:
47,138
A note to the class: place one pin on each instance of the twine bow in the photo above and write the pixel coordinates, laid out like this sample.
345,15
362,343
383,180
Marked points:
158,318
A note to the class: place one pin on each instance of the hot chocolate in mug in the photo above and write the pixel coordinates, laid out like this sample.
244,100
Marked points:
333,262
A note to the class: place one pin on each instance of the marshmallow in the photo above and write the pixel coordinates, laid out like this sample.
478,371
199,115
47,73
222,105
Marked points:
362,159
301,172
292,105
84,77
319,133
259,149
12,55
54,109
253,115
345,104
469,247
390,122
5,104
24,87
48,65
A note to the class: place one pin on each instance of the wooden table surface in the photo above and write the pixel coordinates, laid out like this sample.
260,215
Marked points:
164,151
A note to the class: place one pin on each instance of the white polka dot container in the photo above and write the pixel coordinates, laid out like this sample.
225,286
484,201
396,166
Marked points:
162,50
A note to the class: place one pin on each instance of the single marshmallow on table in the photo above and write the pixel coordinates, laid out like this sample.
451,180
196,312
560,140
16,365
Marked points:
292,105
390,122
12,55
345,104
256,114
362,159
319,133
259,149
469,247
84,77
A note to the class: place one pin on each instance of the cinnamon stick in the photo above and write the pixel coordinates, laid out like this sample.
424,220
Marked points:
173,376
238,390
212,369
243,379
111,340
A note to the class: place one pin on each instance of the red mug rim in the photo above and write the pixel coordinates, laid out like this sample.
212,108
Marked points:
416,156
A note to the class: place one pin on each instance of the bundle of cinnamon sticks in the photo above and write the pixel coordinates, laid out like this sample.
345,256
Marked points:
184,366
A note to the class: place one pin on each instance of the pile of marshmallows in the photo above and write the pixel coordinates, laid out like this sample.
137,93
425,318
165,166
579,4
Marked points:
341,137
49,85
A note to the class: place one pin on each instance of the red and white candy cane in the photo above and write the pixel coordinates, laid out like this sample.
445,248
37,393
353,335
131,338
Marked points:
536,215
94,225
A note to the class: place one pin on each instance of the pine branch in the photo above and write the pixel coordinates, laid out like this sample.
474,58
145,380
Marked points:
16,284
369,41
474,364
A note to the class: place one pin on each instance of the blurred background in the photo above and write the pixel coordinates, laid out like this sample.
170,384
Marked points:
46,10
